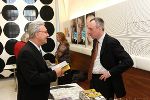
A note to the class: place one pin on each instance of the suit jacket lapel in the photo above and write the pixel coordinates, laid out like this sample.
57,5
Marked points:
36,51
104,44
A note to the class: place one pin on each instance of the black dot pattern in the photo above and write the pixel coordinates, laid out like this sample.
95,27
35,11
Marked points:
49,57
11,60
2,65
0,31
10,13
50,28
1,48
49,46
30,13
30,1
11,30
46,13
9,46
46,1
9,1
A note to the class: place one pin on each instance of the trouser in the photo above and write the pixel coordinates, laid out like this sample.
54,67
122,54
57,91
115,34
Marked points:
104,87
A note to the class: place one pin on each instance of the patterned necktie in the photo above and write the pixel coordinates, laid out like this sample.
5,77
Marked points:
40,51
93,57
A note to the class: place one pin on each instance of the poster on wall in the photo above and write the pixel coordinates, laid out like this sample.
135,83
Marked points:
67,30
81,32
76,30
73,31
89,16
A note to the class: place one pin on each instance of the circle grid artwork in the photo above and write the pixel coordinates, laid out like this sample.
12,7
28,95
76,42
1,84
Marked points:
46,13
15,20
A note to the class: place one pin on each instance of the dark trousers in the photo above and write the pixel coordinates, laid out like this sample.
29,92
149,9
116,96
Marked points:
104,87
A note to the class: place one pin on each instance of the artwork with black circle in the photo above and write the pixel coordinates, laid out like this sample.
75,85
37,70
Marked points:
46,13
10,12
1,48
2,65
30,1
49,46
0,30
11,30
30,13
46,1
9,46
9,1
50,28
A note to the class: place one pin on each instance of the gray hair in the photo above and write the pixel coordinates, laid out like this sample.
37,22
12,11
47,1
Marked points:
34,27
25,37
99,22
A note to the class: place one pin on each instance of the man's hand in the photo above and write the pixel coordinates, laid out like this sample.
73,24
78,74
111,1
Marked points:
59,72
105,75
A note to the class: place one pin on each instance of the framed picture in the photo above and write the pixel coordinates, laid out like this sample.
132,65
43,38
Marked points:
89,16
73,31
81,32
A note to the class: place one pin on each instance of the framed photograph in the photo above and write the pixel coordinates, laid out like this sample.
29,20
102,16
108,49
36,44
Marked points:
81,32
73,31
89,16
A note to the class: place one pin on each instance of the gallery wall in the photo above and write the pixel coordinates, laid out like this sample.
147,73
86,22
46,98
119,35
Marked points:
128,21
74,9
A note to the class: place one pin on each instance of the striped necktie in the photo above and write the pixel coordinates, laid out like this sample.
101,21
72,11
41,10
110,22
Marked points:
40,51
93,57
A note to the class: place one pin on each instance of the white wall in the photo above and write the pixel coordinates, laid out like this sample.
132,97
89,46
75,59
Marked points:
128,21
69,9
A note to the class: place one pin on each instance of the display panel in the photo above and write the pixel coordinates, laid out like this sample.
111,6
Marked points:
10,13
46,13
30,13
11,30
30,1
46,1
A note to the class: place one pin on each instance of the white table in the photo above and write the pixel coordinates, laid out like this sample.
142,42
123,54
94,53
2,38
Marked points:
66,91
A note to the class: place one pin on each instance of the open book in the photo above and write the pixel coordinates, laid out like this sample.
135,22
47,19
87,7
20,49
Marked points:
90,94
64,65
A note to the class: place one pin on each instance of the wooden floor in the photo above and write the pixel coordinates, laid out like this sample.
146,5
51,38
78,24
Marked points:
137,83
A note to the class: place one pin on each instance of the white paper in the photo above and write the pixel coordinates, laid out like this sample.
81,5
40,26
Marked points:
60,65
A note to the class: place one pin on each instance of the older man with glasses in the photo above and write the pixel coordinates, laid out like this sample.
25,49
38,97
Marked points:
33,74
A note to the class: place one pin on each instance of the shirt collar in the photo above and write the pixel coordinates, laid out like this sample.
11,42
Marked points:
35,45
102,38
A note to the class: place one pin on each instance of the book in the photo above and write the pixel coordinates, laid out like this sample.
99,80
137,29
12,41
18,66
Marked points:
66,98
90,94
64,65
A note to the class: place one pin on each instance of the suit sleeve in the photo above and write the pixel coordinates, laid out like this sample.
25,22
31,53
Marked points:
32,73
122,58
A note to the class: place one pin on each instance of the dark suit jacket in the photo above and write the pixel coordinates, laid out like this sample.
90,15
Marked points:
116,60
33,75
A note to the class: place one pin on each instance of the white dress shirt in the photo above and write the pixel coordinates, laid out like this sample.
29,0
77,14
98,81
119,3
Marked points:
97,67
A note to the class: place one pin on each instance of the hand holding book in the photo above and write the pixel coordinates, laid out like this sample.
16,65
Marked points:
63,65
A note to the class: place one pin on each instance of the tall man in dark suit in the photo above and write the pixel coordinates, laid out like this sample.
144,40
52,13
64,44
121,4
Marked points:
33,74
105,74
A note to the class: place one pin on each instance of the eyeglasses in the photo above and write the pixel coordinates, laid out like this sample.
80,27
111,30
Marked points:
43,31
